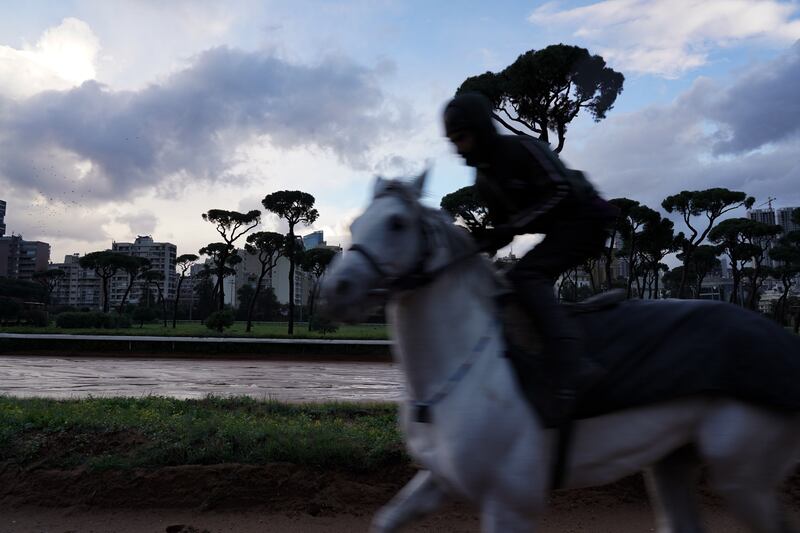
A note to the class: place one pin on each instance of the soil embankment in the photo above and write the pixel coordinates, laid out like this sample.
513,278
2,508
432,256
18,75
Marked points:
286,498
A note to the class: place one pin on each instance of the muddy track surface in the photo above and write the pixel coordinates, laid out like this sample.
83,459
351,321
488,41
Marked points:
285,498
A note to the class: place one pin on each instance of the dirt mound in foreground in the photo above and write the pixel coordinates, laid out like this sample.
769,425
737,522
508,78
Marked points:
279,487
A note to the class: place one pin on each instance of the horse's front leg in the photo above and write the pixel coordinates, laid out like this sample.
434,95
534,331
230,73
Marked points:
499,518
420,496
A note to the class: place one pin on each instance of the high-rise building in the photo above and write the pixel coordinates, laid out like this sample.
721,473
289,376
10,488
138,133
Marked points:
784,219
247,273
162,257
766,216
19,258
312,240
80,287
2,218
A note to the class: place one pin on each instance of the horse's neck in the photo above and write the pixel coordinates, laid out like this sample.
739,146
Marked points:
436,328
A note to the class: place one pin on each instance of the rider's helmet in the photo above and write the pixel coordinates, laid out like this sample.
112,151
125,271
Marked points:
471,112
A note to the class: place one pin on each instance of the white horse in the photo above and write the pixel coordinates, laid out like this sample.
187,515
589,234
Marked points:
483,441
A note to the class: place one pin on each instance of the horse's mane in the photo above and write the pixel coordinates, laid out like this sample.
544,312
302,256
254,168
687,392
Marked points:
480,275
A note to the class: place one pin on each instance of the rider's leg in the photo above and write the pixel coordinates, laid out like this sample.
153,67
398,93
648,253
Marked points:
533,277
562,345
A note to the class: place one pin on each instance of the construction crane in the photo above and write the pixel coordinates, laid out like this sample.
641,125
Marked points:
769,201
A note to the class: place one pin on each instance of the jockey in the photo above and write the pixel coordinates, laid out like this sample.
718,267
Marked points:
527,189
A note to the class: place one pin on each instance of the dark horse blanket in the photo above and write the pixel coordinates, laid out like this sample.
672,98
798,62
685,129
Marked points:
657,350
664,349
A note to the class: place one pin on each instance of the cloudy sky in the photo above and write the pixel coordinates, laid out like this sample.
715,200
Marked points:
123,118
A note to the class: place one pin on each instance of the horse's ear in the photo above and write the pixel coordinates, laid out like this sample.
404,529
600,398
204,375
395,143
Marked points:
419,182
380,184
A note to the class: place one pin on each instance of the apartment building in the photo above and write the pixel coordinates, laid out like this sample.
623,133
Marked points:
162,257
19,258
79,287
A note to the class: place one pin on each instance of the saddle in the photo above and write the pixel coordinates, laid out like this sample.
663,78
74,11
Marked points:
521,331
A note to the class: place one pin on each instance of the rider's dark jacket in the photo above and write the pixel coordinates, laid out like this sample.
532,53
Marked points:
525,186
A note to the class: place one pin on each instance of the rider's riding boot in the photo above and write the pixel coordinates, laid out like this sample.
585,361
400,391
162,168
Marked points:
569,371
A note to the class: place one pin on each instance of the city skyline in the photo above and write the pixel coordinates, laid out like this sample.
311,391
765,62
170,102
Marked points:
221,105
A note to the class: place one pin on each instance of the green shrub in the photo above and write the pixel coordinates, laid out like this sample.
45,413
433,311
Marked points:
322,325
144,314
36,318
219,320
9,309
92,320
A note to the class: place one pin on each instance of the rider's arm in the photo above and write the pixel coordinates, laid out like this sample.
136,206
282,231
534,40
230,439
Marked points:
551,172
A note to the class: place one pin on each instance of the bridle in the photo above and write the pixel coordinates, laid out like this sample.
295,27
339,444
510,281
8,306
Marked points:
419,275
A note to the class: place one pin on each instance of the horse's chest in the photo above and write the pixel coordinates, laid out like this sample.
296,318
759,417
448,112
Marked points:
463,451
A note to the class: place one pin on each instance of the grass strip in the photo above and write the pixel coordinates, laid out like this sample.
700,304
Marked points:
274,330
154,431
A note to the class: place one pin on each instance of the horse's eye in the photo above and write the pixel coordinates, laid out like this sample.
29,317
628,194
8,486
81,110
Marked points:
396,223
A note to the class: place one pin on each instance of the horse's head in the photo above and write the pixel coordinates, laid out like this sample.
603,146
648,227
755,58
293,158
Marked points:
389,247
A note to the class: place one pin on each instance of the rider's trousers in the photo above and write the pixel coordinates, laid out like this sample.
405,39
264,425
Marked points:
533,277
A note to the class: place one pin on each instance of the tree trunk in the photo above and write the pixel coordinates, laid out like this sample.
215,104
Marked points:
700,279
784,299
125,296
105,295
177,299
655,283
752,297
734,299
311,304
254,299
640,285
220,290
291,279
687,258
609,254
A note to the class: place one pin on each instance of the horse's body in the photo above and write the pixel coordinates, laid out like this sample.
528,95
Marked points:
484,442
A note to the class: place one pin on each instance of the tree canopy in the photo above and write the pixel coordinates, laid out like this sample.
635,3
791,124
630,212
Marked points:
267,247
710,203
50,279
105,264
296,207
134,267
230,225
465,206
183,263
544,90
736,238
316,260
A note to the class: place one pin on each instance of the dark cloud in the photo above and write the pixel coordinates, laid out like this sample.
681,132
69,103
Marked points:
711,136
760,108
190,124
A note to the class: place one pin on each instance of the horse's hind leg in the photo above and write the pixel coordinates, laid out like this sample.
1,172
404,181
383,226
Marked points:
671,483
750,451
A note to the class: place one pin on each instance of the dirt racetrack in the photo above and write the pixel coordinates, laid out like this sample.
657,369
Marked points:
286,498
